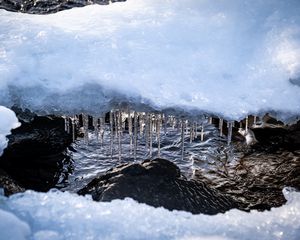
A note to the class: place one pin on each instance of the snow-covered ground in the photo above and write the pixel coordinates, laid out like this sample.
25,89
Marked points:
56,215
227,57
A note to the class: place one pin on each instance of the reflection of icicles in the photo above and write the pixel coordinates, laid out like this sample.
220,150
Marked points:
229,135
221,127
202,133
182,139
135,134
111,120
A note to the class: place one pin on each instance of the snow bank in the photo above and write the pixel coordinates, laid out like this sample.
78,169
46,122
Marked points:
57,215
228,57
8,121
12,228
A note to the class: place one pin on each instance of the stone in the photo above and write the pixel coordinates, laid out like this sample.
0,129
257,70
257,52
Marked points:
158,183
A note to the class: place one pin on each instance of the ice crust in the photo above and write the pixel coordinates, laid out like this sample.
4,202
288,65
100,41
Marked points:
8,121
58,215
226,57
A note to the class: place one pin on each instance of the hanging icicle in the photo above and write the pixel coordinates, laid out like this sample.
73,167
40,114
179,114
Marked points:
85,120
150,134
129,119
119,129
182,138
73,121
111,120
158,122
247,123
229,135
202,132
135,120
221,126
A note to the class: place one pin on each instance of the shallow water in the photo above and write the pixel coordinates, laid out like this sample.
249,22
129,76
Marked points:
255,178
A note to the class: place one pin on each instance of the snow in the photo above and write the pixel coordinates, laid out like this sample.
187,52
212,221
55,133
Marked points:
12,228
8,121
58,215
227,57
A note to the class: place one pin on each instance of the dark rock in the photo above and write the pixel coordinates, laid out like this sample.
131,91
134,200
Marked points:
158,183
9,185
36,151
48,6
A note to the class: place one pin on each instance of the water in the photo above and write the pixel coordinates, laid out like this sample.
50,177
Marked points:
99,155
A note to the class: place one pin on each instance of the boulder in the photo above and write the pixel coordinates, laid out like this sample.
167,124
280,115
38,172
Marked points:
158,183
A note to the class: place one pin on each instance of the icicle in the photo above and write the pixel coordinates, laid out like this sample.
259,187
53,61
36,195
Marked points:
73,128
196,131
202,133
186,127
229,135
191,133
141,121
164,120
182,139
150,135
247,123
221,127
111,120
158,122
135,134
129,119
85,120
147,129
254,120
102,129
115,123
119,127
210,120
66,123
96,127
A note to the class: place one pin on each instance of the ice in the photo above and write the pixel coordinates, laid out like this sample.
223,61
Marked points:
8,121
231,57
58,215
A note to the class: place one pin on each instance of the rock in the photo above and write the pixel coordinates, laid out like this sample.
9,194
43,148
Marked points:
36,152
9,185
158,183
48,6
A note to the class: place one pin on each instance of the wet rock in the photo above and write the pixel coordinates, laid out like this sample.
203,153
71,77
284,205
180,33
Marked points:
48,6
158,183
9,185
36,152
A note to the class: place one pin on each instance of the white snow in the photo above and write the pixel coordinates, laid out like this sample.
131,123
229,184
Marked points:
8,121
12,228
228,57
57,215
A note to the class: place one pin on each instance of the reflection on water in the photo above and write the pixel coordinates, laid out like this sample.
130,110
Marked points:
255,178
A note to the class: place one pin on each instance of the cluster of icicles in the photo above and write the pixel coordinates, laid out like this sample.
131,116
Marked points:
149,126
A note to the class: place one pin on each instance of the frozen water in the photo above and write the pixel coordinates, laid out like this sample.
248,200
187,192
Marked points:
58,215
227,57
8,121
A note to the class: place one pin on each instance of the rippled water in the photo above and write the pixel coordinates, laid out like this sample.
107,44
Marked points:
255,178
